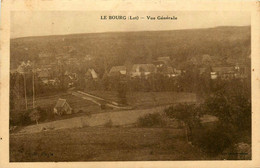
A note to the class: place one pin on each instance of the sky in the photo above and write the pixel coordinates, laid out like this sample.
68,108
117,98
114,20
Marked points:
41,23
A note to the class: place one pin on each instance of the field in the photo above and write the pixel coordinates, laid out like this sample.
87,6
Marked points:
80,107
149,99
103,144
82,138
135,99
138,100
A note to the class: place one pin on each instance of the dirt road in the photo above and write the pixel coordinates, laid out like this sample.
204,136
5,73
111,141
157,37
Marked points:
119,118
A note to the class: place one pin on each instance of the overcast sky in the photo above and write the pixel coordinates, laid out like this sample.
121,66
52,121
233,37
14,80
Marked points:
25,24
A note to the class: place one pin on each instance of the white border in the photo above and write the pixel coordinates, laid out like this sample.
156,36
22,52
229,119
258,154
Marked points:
123,5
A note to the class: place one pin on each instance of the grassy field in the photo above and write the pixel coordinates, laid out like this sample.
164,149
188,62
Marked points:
148,99
103,144
80,106
76,103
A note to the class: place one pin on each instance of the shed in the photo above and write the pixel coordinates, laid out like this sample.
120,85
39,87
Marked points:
62,107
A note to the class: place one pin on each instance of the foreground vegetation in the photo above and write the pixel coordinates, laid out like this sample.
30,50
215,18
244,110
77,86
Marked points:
103,144
154,138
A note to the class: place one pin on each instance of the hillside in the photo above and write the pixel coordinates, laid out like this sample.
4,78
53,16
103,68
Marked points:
137,47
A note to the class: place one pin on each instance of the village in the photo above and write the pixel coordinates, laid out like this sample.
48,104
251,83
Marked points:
62,72
144,94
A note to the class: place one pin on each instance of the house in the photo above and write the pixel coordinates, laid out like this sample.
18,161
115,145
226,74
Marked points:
177,72
53,82
116,70
223,72
164,68
24,67
159,64
143,69
62,107
162,62
169,72
213,75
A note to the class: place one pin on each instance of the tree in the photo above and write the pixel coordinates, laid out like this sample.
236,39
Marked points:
189,114
35,115
231,104
121,90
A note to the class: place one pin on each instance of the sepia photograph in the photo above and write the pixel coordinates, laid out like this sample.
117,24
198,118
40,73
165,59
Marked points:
130,86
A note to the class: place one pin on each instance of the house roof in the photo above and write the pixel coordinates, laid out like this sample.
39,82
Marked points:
60,103
144,67
93,73
117,69
164,59
24,67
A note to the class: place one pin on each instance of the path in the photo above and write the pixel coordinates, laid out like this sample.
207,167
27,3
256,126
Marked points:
118,118
100,101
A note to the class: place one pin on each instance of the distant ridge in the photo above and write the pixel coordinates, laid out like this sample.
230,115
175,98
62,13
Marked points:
79,34
221,42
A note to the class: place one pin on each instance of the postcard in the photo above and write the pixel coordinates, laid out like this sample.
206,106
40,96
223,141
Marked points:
130,83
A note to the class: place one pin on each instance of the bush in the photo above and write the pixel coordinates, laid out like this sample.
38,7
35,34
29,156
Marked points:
213,142
46,113
151,120
180,111
24,119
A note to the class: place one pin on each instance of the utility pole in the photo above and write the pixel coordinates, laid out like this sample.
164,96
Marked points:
25,91
18,81
33,86
105,64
